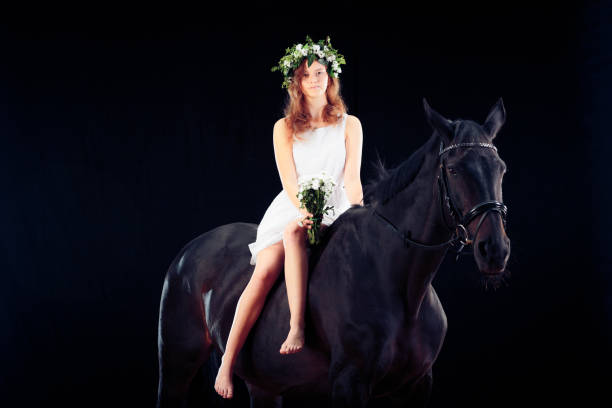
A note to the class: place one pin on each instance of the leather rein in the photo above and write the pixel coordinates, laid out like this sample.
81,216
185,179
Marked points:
460,236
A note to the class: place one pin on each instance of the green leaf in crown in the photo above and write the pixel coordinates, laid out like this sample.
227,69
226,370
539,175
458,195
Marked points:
311,58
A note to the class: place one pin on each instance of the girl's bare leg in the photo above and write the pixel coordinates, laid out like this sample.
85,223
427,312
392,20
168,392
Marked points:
267,268
296,276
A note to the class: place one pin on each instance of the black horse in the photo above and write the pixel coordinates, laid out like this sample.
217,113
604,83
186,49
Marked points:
374,324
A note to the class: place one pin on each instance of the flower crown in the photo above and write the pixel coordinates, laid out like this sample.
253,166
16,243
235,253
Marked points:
322,51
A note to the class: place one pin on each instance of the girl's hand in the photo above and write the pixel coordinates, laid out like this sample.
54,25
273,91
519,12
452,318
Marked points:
306,223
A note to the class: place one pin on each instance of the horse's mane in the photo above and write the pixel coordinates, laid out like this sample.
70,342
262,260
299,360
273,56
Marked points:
385,184
388,182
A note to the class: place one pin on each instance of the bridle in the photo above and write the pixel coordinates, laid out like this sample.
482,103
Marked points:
460,235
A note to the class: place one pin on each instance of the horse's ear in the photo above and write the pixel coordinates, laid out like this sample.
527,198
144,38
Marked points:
439,123
495,119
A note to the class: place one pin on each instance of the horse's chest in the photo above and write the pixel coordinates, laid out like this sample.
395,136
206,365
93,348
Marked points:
413,349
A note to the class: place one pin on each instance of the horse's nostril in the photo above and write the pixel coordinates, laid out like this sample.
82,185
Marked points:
482,248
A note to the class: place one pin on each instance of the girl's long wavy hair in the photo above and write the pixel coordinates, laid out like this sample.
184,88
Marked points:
297,116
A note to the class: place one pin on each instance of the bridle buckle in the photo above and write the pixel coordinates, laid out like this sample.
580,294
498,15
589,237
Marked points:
462,235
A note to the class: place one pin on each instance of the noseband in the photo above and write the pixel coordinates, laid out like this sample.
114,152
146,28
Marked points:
460,235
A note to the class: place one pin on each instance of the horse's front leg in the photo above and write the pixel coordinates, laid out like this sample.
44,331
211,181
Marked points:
415,394
349,387
263,399
420,392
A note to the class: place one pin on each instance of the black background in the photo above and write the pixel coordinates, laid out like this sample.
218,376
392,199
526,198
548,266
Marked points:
124,138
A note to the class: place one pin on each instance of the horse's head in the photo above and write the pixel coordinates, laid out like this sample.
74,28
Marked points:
471,174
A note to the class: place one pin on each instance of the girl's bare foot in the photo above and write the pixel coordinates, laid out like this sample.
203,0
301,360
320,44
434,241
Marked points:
223,382
294,342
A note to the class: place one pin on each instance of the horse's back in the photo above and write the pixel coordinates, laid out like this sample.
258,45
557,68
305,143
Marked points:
208,259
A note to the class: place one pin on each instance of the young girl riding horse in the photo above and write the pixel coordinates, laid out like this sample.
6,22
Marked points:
316,134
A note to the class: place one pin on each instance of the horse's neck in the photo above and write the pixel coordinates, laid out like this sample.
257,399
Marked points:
416,212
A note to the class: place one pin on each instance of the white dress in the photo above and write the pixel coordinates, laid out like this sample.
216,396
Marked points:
322,149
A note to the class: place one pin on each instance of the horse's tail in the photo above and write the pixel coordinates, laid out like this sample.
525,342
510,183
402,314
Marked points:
184,341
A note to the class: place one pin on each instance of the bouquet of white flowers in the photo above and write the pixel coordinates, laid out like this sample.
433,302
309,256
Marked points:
314,192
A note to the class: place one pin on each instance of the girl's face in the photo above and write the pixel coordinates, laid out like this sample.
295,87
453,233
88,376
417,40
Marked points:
314,81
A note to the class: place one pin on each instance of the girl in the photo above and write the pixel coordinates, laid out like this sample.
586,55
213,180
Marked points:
315,134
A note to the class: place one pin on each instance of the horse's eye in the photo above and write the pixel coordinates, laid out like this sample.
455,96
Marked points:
452,171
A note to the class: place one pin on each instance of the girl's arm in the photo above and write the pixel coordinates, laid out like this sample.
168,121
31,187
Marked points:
283,155
352,165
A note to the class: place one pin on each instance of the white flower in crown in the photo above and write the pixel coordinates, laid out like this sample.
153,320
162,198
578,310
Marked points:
295,55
